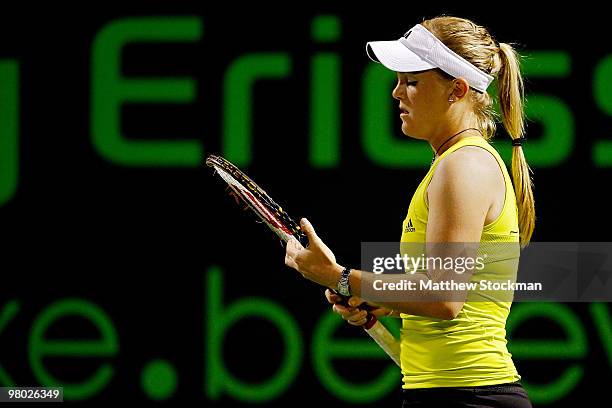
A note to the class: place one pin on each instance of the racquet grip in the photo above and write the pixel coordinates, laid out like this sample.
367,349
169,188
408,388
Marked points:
370,318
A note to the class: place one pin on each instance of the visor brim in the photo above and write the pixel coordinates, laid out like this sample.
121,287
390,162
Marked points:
396,57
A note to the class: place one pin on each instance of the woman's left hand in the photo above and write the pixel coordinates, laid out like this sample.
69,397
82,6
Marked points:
316,262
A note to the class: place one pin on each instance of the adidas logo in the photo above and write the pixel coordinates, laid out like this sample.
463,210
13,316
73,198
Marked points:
409,226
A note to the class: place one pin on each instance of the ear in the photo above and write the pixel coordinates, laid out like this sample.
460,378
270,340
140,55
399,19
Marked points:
459,89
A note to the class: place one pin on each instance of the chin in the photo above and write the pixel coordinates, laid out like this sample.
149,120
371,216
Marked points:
412,134
409,132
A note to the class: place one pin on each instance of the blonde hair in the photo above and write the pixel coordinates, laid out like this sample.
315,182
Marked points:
476,45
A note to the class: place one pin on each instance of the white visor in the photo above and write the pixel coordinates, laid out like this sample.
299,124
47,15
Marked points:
419,50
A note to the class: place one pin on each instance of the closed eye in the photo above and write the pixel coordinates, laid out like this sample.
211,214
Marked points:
411,83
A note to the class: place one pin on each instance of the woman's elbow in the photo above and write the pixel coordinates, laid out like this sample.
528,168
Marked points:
436,309
448,310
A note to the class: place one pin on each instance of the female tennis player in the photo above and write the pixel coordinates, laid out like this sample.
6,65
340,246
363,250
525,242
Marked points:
453,353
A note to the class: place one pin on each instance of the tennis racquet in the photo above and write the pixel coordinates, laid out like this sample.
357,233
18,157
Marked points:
245,191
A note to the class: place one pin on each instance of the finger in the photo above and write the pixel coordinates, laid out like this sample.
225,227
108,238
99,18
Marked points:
358,315
336,298
292,247
332,297
354,316
342,310
380,312
351,314
297,245
358,323
359,319
309,230
355,301
328,296
290,262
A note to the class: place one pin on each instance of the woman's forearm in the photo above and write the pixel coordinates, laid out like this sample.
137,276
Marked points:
381,290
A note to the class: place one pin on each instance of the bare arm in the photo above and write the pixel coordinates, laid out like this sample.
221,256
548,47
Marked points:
460,196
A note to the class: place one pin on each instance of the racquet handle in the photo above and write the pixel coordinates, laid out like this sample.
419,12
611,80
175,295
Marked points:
378,332
370,318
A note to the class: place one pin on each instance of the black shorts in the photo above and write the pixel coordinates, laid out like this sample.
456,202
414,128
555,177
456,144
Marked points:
488,396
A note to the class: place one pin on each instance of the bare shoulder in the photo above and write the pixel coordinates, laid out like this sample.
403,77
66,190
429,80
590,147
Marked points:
469,164
463,194
468,176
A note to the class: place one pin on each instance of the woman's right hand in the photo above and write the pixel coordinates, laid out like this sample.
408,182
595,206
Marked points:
352,313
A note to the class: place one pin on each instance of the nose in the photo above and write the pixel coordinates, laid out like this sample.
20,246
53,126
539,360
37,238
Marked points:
398,91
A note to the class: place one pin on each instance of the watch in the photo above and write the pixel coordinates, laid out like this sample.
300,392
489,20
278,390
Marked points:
343,284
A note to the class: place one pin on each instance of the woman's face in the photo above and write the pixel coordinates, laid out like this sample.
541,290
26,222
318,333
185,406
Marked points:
423,102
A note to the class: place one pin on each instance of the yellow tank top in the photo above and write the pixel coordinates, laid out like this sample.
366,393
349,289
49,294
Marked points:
469,350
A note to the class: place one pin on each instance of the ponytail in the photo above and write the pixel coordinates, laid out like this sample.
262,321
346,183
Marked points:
511,101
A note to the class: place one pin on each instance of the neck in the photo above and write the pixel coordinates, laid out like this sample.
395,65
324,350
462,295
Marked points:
443,143
446,136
